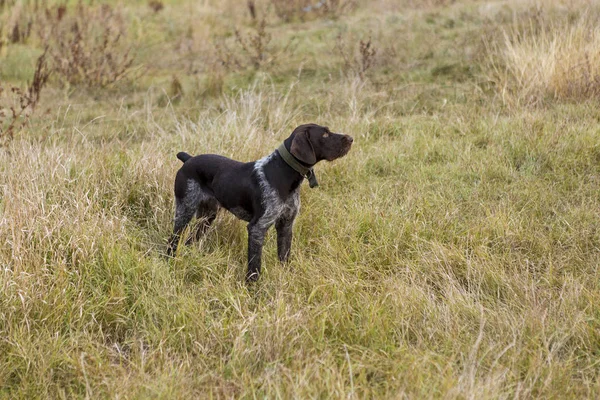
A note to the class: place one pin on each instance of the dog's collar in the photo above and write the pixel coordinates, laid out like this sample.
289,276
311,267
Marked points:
295,164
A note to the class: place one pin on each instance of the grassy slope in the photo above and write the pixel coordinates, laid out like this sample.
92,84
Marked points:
453,253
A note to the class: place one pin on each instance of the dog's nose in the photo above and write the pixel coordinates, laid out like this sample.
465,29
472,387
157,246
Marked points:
349,138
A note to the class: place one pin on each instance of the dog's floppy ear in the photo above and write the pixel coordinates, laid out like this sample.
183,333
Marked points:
302,149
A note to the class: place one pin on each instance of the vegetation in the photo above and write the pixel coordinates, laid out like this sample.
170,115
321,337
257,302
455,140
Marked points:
453,253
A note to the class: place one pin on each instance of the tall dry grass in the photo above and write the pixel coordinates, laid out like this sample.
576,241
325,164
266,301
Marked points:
543,57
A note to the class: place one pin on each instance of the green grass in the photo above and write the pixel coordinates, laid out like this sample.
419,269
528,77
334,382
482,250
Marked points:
453,253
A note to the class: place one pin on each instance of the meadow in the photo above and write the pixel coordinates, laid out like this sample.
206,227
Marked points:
453,253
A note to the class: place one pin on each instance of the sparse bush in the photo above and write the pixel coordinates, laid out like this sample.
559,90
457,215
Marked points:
255,44
289,10
17,105
334,8
156,5
85,44
252,49
358,58
18,21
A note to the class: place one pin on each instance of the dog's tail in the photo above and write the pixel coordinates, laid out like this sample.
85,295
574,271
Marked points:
183,156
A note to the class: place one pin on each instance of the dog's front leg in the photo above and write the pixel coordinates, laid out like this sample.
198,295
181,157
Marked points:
284,238
256,238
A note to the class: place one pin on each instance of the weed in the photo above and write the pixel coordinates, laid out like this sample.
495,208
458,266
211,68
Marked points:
156,5
17,23
255,45
20,104
86,45
357,59
335,8
288,10
250,49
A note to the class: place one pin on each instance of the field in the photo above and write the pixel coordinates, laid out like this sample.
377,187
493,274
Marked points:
453,253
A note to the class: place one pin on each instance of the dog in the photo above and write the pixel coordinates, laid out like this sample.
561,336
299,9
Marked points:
262,193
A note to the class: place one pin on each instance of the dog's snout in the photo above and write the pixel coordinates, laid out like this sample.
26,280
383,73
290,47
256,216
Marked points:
349,138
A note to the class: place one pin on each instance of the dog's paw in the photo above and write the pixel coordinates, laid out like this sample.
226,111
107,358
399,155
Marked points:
252,277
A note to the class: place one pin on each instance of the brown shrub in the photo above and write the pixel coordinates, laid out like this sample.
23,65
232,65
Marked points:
250,49
17,105
358,56
156,5
85,44
17,22
289,10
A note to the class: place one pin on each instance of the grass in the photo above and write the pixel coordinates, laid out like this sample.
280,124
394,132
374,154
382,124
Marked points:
547,56
452,254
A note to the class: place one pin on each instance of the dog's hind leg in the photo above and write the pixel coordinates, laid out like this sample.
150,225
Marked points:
185,208
206,213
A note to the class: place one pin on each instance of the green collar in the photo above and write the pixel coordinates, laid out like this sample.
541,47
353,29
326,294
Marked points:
295,164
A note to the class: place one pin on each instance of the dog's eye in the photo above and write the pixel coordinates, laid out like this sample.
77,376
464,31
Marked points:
326,134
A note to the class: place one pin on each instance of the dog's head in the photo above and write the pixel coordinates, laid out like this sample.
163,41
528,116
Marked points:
312,143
